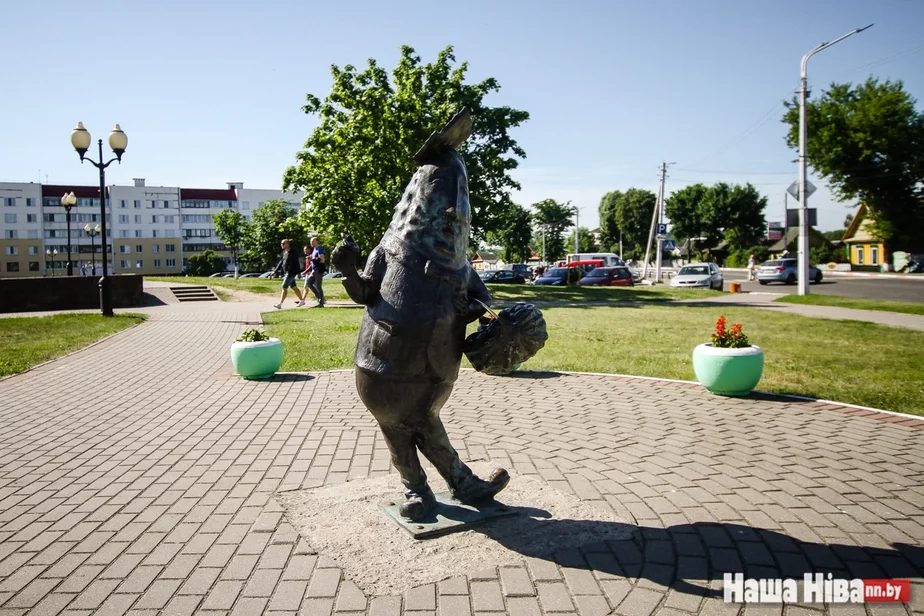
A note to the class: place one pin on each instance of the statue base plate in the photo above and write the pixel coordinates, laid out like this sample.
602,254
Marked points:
448,516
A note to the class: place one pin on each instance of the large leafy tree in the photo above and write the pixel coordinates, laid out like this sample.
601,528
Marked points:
552,219
515,238
357,162
268,227
205,263
734,213
867,141
628,212
586,241
231,227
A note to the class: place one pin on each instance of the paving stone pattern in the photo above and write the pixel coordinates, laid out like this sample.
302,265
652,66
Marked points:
137,477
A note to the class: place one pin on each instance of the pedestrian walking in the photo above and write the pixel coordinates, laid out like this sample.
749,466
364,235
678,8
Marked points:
752,265
315,268
290,267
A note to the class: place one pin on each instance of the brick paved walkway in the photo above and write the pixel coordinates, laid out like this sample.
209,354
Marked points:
137,476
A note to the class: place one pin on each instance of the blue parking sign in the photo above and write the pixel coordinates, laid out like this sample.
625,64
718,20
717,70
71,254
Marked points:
662,228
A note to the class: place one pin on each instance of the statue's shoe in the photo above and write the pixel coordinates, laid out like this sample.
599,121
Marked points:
473,489
417,505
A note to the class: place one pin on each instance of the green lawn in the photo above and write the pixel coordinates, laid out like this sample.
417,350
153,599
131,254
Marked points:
853,302
848,361
333,289
28,341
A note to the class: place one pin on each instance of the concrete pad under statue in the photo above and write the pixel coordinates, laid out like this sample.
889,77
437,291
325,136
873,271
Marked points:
346,523
448,516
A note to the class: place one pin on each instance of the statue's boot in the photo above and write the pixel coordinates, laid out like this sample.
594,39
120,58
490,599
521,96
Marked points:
419,503
472,489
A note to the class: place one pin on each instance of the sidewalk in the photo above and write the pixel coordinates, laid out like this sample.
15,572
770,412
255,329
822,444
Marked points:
141,476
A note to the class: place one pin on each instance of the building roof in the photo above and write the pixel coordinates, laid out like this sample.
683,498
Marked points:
484,255
792,235
81,192
208,194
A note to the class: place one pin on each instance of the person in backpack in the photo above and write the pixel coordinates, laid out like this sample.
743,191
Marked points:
291,267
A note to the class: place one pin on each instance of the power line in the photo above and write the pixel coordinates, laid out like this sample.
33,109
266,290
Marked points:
882,61
736,172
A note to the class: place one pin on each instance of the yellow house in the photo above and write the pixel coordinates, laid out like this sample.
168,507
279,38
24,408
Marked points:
865,251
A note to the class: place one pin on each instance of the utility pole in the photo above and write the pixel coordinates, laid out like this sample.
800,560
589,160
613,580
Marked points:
656,219
803,163
577,229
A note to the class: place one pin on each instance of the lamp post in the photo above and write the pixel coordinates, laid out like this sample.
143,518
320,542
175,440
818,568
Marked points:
92,232
118,141
52,256
68,201
803,164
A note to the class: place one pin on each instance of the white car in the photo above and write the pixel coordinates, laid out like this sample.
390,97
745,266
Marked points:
698,276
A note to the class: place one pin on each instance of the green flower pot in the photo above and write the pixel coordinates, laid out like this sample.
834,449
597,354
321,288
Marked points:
728,372
257,360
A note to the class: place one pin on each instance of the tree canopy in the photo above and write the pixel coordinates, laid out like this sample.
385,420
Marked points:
586,241
629,212
867,141
552,219
357,162
205,263
232,228
271,223
729,212
515,238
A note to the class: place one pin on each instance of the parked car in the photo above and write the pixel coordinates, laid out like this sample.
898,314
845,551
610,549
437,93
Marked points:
502,276
333,275
558,276
522,269
699,276
608,277
785,271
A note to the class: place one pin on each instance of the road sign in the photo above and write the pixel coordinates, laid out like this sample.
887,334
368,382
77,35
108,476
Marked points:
669,245
662,228
792,217
660,237
794,189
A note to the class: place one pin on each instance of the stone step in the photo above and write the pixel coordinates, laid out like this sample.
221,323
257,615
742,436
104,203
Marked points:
198,293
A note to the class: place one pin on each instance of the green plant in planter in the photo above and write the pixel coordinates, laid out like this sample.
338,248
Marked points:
252,335
730,365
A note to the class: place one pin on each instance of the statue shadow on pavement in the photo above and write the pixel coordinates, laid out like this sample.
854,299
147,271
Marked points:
686,557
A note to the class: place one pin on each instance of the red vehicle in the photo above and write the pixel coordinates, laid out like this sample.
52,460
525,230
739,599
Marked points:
608,277
586,266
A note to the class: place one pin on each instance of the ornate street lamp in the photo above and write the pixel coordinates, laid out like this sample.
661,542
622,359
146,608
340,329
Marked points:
92,232
52,256
68,201
118,141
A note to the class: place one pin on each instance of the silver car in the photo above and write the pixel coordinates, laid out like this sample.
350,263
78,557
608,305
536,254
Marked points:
698,276
785,271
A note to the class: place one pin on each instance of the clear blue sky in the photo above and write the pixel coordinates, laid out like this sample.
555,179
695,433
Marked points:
210,92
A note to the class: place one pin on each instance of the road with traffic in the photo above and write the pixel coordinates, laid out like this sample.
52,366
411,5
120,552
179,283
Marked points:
910,289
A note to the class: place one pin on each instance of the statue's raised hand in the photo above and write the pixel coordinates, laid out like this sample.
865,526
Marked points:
345,256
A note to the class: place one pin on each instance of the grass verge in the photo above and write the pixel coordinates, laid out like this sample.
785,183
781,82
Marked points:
847,361
854,302
333,289
28,341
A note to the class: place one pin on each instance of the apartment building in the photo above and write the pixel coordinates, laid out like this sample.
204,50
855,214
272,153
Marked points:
149,229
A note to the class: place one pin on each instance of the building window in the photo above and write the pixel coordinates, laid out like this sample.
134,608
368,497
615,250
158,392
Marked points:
123,219
154,203
124,248
139,248
137,204
9,219
123,203
156,262
137,219
154,219
31,217
169,219
123,233
11,202
155,233
12,251
155,248
33,266
166,204
30,202
245,205
12,266
139,264
10,234
32,234
137,232
874,255
197,233
123,264
169,247
859,255
170,233
33,250
171,262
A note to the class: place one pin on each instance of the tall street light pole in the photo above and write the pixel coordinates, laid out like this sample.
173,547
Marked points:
67,202
118,141
803,164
